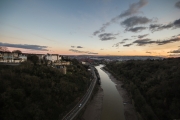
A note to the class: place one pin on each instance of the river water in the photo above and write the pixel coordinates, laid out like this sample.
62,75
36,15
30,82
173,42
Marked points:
112,108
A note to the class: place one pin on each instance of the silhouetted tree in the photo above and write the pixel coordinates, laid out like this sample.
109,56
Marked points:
16,51
4,49
33,58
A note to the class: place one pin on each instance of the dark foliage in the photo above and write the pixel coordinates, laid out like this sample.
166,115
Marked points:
153,84
16,51
30,92
33,58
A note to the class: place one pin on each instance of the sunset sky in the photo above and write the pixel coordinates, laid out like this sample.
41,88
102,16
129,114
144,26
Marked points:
91,27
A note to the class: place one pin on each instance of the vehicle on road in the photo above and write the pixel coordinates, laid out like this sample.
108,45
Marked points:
80,105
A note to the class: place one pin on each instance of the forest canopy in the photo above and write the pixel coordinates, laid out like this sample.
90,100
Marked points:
39,92
154,86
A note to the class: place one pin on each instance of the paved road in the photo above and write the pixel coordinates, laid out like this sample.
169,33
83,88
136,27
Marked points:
83,101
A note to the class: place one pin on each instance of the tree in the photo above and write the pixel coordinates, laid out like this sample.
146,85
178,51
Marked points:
39,92
4,49
33,58
16,51
74,61
154,86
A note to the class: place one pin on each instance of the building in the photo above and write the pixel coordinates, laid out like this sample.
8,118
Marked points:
1,56
85,63
40,56
23,57
12,57
62,68
53,57
6,57
62,63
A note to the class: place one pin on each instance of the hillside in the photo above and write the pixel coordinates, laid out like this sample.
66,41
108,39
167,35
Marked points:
39,92
154,85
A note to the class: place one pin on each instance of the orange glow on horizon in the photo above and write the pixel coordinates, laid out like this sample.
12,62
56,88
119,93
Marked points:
157,52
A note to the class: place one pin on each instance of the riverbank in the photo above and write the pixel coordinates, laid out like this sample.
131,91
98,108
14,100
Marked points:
94,108
129,110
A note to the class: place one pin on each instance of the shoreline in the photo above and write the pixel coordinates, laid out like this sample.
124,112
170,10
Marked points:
129,110
94,108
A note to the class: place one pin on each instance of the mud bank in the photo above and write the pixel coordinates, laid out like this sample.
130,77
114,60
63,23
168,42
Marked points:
94,108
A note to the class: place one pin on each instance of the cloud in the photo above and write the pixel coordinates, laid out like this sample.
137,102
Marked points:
79,47
102,29
168,41
135,20
177,23
177,5
142,42
121,42
118,44
176,36
142,36
148,52
133,36
76,47
127,45
145,41
174,55
125,39
133,9
158,27
78,51
175,51
92,53
129,23
154,27
107,36
96,32
136,29
25,46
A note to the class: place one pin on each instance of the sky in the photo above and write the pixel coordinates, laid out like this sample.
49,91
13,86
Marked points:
91,27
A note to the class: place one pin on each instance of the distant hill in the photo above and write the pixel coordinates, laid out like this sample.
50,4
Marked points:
119,58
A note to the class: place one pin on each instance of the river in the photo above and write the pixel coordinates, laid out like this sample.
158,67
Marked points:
112,108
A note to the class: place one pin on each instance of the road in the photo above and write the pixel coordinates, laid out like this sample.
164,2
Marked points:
84,99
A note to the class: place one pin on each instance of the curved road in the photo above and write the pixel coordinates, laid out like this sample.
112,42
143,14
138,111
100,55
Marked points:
83,101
